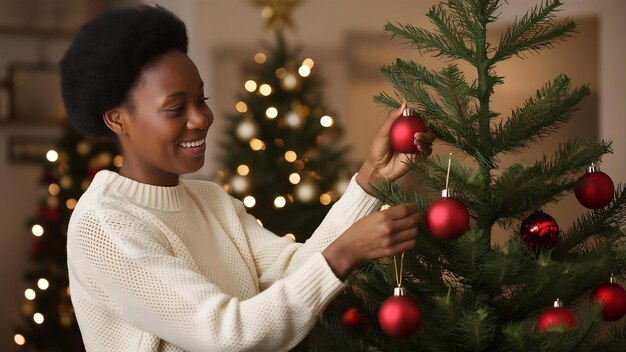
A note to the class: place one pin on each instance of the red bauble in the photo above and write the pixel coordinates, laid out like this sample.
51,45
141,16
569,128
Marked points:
400,315
557,318
353,320
595,189
539,230
613,299
447,218
402,132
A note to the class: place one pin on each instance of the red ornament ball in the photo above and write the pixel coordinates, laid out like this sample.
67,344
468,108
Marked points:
447,218
557,318
402,133
594,190
400,316
613,299
539,230
354,321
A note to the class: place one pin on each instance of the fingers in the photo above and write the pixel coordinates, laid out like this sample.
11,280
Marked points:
400,211
424,142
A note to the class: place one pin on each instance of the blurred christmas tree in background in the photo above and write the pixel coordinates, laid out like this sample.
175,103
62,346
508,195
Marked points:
49,323
282,154
472,295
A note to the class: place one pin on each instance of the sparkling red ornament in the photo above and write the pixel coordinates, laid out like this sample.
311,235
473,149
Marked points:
400,315
447,218
402,132
354,321
595,189
613,299
539,230
556,318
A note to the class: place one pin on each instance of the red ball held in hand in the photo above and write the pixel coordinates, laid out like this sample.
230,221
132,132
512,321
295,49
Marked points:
539,230
402,132
447,218
595,189
399,315
353,320
557,318
613,299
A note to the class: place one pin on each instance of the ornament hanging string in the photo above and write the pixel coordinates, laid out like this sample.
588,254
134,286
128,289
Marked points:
448,173
400,271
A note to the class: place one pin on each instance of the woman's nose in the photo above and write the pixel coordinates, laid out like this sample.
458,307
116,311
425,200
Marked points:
199,119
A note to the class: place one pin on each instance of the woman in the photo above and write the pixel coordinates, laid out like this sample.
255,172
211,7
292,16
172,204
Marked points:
157,263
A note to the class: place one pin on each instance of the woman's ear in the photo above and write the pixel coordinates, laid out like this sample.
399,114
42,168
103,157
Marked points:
114,119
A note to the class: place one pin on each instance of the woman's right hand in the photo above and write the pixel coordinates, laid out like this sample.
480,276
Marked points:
381,234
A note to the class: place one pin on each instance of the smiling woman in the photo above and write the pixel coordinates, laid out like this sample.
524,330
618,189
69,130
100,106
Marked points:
157,263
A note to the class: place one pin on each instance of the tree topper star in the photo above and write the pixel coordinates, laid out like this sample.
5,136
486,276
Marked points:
276,14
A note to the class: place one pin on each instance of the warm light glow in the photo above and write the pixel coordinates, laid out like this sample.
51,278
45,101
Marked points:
246,129
68,292
54,189
118,161
30,294
308,62
37,230
250,85
291,156
279,142
325,198
280,202
83,148
291,235
290,81
52,155
70,203
259,222
240,184
38,318
260,58
293,119
326,121
249,201
243,170
19,339
53,202
304,71
299,164
43,284
257,144
281,72
241,107
66,182
294,178
271,112
265,89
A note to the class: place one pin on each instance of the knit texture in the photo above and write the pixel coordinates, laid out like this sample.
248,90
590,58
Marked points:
185,268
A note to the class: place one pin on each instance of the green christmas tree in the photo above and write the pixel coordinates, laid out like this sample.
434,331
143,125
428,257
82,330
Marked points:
475,296
49,323
282,153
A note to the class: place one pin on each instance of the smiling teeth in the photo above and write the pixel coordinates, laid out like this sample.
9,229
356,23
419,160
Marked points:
192,144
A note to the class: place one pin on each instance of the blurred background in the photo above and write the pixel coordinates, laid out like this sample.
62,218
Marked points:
346,41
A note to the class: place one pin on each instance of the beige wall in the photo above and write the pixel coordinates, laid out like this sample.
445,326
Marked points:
332,31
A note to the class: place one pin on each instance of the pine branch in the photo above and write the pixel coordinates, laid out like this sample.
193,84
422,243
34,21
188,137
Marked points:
540,116
602,222
545,181
537,30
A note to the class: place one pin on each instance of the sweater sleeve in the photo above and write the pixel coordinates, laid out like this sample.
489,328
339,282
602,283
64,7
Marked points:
127,265
276,256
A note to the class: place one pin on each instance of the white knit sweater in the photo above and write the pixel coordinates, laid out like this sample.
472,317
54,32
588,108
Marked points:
186,268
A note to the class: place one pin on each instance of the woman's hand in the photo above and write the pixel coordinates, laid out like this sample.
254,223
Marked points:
381,234
385,163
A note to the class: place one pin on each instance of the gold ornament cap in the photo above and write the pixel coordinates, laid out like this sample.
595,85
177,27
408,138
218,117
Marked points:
407,112
446,192
593,168
558,303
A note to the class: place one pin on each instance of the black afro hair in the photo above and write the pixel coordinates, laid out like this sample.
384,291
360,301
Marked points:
106,58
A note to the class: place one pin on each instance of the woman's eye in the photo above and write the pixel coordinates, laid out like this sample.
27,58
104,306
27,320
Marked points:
176,109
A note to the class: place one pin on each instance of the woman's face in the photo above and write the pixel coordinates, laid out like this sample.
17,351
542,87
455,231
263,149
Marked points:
167,122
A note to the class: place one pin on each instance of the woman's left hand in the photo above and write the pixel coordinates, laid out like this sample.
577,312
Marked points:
385,163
